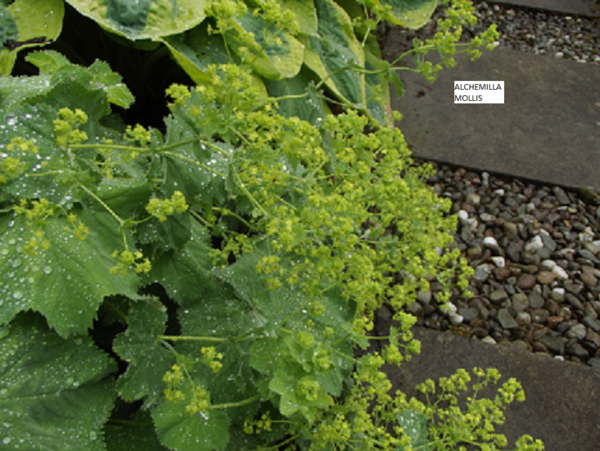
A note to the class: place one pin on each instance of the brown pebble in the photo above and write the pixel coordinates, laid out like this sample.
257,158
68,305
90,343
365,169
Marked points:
536,346
526,281
565,312
502,273
553,321
474,252
546,277
552,306
593,337
589,310
589,279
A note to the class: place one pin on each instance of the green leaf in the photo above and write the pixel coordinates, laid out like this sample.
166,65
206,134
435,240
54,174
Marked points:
143,19
111,83
309,108
182,272
272,61
415,426
68,281
410,13
305,12
330,55
195,50
120,194
148,359
8,27
48,61
377,85
54,394
40,21
137,435
180,431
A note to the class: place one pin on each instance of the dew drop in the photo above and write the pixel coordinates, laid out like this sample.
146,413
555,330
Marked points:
4,251
93,436
47,270
6,440
17,294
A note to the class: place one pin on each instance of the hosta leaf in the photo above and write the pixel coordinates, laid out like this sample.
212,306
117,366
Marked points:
180,431
415,426
310,108
410,13
54,394
148,359
195,50
305,12
8,27
38,22
68,281
377,85
335,49
272,61
143,19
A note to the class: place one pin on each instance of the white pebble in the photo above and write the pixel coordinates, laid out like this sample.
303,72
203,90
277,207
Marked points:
448,308
490,242
498,192
455,319
548,265
558,294
462,216
499,262
488,339
534,244
559,357
586,237
560,273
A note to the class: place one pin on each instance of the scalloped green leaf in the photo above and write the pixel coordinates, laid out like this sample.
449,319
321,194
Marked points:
183,271
272,61
180,431
143,19
415,426
54,393
410,13
67,282
148,359
136,435
335,49
38,23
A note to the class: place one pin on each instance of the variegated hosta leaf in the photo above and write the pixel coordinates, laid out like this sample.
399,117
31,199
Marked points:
410,13
37,23
68,281
270,60
54,394
335,49
143,19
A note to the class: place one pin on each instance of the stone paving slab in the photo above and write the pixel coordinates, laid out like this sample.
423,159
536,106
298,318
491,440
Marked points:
562,405
587,8
547,130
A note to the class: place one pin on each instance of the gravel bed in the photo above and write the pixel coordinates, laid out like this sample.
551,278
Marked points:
528,30
536,254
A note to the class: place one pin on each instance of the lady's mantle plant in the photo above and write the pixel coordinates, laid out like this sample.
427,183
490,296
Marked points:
272,241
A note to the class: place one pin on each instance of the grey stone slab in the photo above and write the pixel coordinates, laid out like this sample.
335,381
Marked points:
548,128
562,404
587,8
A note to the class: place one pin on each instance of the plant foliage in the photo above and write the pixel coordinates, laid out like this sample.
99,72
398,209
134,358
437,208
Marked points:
205,286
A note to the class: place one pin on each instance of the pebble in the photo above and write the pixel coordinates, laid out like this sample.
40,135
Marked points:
536,265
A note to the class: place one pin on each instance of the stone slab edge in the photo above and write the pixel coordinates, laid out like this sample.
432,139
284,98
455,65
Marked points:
562,405
586,8
548,129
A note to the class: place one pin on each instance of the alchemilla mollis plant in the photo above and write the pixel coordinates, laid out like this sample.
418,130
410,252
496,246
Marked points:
205,286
